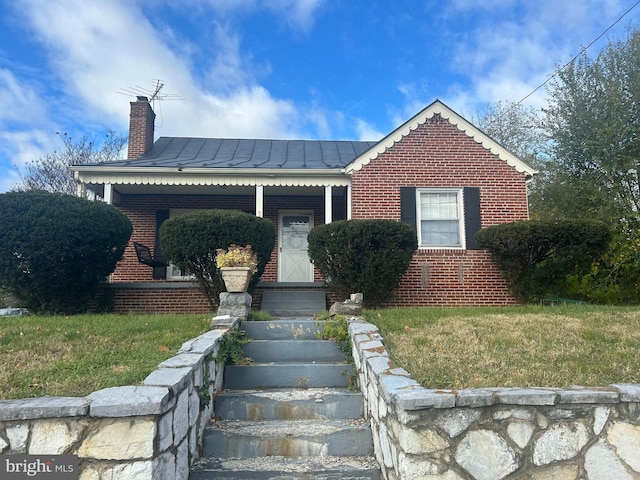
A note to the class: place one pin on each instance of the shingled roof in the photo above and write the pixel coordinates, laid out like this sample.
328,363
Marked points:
185,152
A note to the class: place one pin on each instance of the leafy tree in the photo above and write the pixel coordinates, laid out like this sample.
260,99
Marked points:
51,172
363,256
519,129
55,249
593,125
516,127
190,242
593,121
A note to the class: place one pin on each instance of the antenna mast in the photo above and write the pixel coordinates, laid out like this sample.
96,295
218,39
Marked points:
152,95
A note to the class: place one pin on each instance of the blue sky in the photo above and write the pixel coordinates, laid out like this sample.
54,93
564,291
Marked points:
312,69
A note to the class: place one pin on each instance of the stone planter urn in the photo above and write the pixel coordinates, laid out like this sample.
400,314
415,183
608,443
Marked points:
236,279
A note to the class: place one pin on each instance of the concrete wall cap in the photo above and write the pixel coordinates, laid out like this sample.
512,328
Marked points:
43,407
129,401
176,379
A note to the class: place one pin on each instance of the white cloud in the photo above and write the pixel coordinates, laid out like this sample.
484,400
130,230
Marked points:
367,132
514,46
24,132
98,49
297,14
246,112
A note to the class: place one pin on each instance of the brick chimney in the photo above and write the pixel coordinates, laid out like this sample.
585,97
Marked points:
141,123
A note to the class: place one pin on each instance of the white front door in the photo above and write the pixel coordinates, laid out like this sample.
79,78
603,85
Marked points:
294,264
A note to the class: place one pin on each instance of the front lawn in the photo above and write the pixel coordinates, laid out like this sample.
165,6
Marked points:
527,346
453,348
76,355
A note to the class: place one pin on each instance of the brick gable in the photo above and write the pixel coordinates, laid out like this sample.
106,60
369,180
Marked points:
438,154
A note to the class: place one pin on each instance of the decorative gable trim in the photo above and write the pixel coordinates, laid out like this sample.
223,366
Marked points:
439,108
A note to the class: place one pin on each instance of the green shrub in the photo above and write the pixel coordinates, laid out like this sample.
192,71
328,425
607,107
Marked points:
615,280
55,249
536,257
190,241
363,256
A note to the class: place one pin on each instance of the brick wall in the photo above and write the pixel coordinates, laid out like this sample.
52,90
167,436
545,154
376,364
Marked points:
437,154
158,300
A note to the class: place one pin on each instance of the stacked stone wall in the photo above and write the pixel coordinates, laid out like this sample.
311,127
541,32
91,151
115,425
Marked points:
152,431
494,433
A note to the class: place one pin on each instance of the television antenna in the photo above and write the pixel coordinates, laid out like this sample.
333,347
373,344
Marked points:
152,95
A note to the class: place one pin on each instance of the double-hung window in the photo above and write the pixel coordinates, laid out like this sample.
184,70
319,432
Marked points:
440,217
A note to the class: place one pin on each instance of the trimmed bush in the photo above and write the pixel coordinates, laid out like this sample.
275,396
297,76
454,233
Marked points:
190,242
363,256
55,249
536,257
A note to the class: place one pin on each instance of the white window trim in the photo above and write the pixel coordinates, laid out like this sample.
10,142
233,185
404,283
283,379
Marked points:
461,221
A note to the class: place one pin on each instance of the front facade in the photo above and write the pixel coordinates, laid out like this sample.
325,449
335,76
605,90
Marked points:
437,172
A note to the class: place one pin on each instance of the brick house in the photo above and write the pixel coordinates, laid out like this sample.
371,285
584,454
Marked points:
436,171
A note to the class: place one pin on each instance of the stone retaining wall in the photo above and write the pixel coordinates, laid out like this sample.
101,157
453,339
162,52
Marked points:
494,433
152,431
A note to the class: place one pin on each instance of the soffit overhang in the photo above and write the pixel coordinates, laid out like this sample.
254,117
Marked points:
456,120
102,174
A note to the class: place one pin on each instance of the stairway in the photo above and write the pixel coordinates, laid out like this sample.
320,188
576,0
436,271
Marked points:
290,303
289,415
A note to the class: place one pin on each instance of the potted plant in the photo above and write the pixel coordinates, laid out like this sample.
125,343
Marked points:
237,265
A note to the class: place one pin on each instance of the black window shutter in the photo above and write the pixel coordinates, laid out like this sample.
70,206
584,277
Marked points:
161,216
408,206
472,221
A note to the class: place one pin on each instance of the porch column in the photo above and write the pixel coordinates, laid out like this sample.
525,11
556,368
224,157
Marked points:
259,201
108,193
328,205
348,202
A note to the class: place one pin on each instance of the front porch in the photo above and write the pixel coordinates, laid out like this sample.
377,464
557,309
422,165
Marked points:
279,299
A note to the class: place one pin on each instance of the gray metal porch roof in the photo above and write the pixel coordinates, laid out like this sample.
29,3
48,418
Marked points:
187,152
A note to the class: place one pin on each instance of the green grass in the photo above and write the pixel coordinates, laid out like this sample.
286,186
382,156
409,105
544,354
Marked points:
76,355
527,346
454,348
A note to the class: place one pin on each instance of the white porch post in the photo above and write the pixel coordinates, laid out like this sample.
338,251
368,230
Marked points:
108,193
348,202
328,205
79,185
259,201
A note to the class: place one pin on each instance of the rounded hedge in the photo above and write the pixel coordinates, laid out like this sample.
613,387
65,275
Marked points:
536,257
190,242
55,249
363,256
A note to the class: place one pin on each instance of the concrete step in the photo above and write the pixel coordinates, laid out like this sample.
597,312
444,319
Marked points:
281,468
288,303
287,375
291,329
318,351
289,404
293,438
